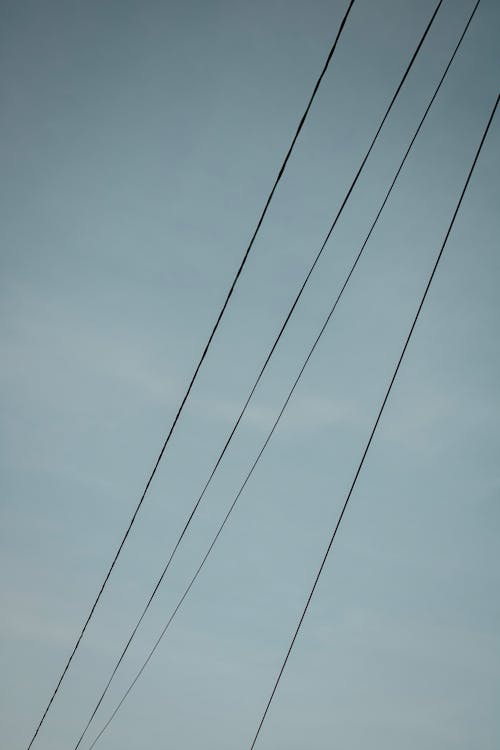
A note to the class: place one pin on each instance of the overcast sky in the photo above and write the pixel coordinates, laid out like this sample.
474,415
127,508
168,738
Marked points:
139,142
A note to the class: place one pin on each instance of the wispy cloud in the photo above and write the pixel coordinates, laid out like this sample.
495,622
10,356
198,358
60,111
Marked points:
23,620
306,412
47,342
427,411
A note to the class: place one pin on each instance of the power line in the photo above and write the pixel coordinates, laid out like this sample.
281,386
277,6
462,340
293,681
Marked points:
263,368
330,314
374,428
198,366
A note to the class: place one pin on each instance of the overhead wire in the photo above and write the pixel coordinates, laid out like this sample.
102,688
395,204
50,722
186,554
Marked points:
374,428
198,366
330,314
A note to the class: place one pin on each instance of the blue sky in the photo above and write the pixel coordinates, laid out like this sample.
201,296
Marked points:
139,143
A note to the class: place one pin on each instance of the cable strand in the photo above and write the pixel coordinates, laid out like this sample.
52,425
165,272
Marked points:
346,281
195,374
374,428
265,364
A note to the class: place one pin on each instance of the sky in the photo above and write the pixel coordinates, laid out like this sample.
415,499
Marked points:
139,143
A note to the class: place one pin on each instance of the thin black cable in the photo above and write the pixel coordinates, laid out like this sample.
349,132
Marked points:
367,447
200,362
354,265
264,366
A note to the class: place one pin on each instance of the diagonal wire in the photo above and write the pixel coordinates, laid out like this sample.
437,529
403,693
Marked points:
198,366
291,391
374,428
263,368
